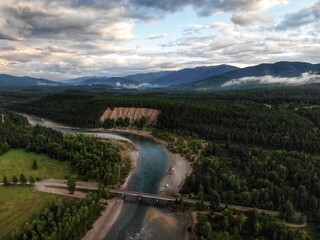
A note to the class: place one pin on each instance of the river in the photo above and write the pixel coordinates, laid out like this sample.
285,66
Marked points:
138,221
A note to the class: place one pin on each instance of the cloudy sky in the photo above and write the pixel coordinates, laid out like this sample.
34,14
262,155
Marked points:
59,39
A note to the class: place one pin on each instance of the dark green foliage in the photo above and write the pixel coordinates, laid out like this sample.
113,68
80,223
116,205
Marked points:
246,227
34,164
71,185
103,191
4,147
15,179
126,122
263,147
22,179
286,211
31,180
5,181
210,149
68,107
259,178
63,220
214,199
210,117
90,158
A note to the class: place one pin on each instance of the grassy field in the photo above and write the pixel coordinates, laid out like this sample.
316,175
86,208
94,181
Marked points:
18,205
18,161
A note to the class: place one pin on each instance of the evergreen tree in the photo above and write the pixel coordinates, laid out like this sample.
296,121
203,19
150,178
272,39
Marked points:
5,181
286,211
31,180
15,179
23,179
71,185
34,164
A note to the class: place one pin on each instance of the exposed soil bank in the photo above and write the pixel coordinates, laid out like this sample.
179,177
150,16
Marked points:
176,175
133,114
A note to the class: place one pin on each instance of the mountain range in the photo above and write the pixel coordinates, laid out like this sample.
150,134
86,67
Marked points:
262,75
221,77
12,81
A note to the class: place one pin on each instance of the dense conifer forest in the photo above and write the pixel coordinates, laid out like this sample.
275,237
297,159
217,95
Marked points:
244,226
279,122
63,220
262,146
90,158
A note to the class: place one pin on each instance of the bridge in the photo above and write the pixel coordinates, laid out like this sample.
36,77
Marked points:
53,186
148,198
142,197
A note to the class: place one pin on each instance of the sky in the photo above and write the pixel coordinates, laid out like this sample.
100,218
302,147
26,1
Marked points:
62,39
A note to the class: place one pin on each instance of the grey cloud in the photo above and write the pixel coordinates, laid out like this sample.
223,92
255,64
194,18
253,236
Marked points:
4,36
82,19
303,17
203,7
41,23
250,18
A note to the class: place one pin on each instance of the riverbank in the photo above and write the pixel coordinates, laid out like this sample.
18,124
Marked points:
179,167
103,225
172,182
109,216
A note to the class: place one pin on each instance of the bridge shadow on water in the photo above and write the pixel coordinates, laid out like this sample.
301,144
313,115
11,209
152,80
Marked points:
147,201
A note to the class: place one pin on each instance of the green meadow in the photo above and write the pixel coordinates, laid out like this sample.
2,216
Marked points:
18,161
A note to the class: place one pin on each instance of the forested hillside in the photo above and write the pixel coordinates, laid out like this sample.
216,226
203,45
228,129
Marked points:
276,121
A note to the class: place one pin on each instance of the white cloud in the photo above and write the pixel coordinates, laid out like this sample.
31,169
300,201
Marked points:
160,36
305,78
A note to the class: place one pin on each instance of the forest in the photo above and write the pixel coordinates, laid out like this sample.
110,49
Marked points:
244,226
90,158
262,146
285,125
256,177
69,219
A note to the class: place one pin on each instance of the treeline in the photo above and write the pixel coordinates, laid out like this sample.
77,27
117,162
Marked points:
257,177
242,122
249,226
63,220
22,180
125,122
89,157
291,97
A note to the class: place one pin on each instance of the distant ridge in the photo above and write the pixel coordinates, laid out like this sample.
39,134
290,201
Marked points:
190,75
279,69
13,81
116,82
221,77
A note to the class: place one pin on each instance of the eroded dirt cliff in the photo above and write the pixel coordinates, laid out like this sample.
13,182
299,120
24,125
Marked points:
132,113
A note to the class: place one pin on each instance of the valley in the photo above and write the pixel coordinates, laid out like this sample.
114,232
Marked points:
160,120
231,167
